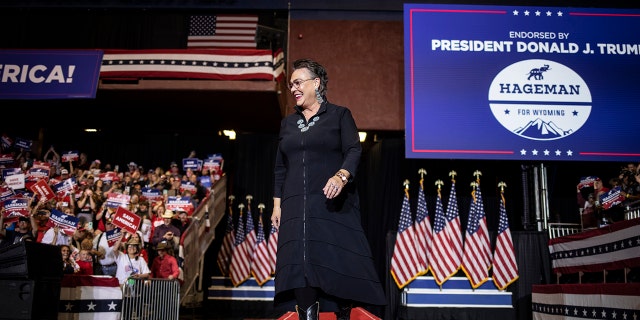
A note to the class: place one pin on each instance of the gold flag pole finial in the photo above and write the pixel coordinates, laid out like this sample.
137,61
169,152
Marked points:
473,185
405,183
231,198
241,206
422,172
502,185
477,174
260,207
249,198
453,175
439,184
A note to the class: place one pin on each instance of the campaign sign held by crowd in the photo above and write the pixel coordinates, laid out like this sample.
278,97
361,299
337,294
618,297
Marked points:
126,220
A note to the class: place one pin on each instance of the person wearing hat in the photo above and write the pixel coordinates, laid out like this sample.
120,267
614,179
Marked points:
174,169
165,265
165,231
130,265
24,230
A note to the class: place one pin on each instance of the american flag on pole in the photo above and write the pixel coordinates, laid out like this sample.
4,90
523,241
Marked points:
250,230
442,264
260,267
226,249
222,31
474,264
452,227
273,248
240,267
505,267
404,261
482,220
424,235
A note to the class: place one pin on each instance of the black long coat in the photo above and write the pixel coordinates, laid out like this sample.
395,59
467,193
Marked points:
321,242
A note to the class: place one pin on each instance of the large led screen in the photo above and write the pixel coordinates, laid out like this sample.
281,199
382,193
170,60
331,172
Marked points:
522,83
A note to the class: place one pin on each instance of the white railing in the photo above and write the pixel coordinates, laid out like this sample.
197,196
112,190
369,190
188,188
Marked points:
563,229
632,211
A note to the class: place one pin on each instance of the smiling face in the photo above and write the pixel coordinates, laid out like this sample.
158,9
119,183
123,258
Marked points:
65,251
302,87
85,255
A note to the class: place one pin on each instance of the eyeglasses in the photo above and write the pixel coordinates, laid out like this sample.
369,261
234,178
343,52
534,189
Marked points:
296,83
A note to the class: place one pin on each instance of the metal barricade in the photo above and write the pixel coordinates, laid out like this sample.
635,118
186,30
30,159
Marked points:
150,299
563,229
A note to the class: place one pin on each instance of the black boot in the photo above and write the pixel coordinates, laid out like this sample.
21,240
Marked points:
312,313
344,312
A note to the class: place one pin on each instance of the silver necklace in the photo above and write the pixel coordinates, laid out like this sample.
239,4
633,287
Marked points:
306,127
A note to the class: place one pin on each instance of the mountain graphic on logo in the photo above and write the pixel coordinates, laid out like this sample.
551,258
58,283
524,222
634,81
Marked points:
539,129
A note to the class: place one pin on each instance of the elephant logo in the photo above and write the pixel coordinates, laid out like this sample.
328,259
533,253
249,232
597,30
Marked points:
536,73
540,108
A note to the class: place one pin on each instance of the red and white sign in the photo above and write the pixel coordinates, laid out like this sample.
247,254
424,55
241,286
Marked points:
126,220
41,188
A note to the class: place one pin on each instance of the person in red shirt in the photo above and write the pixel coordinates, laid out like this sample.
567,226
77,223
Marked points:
85,262
165,265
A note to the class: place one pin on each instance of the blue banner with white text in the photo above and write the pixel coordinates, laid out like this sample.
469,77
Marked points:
521,83
49,74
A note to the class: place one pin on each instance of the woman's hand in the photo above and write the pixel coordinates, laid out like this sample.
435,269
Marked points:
275,217
333,187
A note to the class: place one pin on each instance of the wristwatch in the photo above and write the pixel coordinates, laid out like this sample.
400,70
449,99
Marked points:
342,177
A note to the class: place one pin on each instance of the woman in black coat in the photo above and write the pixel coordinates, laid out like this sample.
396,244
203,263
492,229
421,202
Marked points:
322,249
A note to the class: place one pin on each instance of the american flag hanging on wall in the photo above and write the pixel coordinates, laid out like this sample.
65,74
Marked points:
222,31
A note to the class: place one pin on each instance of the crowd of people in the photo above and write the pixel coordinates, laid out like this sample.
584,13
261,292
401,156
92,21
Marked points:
92,194
602,203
